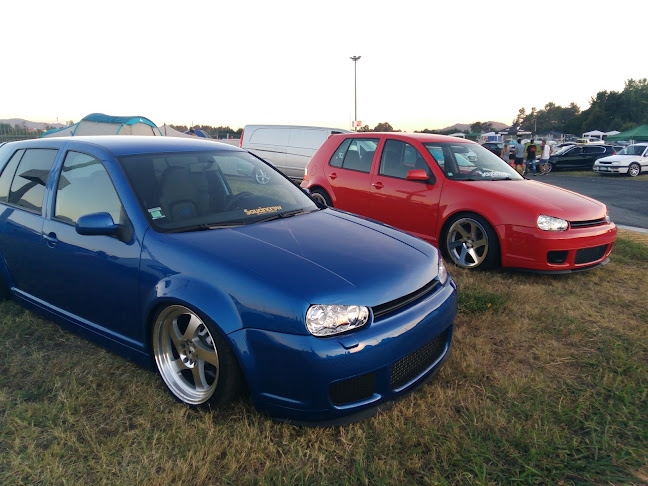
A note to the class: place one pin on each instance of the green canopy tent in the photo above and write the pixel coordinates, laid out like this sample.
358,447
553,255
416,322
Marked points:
637,133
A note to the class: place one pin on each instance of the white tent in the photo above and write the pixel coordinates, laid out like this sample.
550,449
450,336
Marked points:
593,133
169,131
100,124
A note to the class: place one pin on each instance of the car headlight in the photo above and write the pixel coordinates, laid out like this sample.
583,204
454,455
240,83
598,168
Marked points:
608,220
549,223
326,320
443,271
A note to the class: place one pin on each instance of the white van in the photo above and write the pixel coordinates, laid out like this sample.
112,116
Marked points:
288,148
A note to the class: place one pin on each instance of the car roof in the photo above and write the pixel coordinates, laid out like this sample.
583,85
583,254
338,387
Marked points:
421,137
131,145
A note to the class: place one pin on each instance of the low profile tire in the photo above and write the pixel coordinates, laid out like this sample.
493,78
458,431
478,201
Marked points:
262,176
470,242
194,361
322,197
634,170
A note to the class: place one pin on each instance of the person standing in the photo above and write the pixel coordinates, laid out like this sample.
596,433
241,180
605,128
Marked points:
504,154
519,155
545,153
531,158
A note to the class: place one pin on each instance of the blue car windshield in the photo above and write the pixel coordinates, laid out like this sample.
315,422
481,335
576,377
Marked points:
470,162
186,191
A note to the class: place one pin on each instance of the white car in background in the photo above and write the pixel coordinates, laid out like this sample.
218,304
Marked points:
632,160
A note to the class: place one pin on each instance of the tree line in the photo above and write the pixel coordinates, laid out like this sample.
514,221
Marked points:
213,132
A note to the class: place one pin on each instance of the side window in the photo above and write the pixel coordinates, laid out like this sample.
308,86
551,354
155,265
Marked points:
84,187
8,175
398,158
28,185
338,155
355,154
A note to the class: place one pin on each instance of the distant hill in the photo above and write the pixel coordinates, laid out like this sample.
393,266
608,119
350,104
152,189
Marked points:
30,124
462,127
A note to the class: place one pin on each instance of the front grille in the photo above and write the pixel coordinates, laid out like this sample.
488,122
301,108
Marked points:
587,224
588,255
353,390
416,363
384,309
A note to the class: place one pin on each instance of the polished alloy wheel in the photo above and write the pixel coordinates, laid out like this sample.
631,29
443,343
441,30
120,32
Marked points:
467,243
634,170
186,355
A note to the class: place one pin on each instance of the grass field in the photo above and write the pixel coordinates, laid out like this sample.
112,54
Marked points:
547,384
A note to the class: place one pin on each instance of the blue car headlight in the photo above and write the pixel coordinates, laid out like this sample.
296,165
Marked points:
549,223
326,320
443,271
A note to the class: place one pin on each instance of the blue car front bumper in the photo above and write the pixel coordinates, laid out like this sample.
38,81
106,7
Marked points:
339,379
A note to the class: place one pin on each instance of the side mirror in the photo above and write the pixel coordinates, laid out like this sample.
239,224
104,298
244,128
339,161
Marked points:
417,175
102,224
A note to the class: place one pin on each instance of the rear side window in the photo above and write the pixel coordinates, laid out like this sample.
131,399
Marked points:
594,150
355,154
85,187
8,174
28,185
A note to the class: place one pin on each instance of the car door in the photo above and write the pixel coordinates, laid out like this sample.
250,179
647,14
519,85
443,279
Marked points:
590,154
93,279
571,159
411,205
349,173
23,185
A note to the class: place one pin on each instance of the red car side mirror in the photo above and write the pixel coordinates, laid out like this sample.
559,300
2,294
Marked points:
417,175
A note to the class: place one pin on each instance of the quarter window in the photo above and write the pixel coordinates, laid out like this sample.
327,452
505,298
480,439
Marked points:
8,175
84,187
28,185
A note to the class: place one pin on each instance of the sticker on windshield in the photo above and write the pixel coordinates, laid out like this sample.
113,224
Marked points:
156,213
269,209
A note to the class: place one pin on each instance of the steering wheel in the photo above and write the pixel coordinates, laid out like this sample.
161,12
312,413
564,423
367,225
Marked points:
233,203
474,171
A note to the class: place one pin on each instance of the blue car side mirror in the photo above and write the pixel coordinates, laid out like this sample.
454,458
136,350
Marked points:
101,224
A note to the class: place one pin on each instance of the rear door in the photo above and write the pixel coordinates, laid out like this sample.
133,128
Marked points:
591,153
349,173
406,204
23,184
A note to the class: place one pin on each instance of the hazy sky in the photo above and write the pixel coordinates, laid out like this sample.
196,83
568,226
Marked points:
425,64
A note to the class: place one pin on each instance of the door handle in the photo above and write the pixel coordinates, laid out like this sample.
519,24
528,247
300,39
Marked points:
378,185
333,175
51,239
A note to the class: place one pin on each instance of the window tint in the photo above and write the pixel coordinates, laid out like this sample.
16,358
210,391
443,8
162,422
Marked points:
355,154
84,187
28,186
594,150
8,174
338,155
398,158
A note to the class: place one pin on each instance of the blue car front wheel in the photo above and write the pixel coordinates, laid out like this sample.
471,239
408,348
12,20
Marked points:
193,359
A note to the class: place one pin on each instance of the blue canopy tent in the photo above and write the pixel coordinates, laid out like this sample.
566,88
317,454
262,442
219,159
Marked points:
100,124
198,133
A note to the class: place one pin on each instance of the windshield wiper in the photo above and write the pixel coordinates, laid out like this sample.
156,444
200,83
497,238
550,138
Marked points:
284,214
205,227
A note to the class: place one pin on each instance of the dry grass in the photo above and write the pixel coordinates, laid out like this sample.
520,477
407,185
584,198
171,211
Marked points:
547,384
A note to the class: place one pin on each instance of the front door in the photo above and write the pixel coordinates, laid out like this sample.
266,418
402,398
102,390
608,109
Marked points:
411,205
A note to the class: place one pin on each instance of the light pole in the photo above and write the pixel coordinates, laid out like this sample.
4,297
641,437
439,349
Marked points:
355,60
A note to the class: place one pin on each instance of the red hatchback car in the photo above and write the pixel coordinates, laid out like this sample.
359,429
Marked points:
456,194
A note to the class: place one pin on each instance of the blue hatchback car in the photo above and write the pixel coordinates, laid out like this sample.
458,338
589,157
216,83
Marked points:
168,251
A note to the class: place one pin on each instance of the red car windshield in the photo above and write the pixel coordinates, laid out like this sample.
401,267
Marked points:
470,162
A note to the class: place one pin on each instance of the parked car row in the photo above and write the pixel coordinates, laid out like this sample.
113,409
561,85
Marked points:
631,160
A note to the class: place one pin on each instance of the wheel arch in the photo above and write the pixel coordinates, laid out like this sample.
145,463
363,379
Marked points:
449,218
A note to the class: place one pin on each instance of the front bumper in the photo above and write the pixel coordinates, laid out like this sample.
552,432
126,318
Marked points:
339,379
573,250
611,169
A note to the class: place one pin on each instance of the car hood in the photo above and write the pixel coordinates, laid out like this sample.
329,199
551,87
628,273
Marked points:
619,158
544,199
326,256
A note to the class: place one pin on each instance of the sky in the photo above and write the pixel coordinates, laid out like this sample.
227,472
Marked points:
424,64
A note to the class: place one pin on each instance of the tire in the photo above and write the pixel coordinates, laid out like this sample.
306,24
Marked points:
262,176
634,169
550,167
321,196
470,242
193,359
